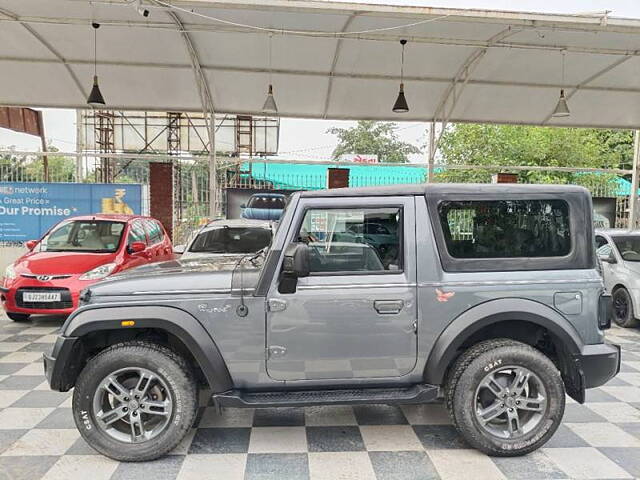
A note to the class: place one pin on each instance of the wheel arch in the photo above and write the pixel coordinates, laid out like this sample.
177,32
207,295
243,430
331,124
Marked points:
520,319
95,328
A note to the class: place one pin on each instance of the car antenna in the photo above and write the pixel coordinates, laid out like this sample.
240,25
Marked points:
242,310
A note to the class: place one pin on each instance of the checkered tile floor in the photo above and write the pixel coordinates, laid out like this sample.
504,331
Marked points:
38,439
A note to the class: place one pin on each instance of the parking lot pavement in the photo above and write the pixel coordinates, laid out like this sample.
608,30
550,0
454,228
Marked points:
38,439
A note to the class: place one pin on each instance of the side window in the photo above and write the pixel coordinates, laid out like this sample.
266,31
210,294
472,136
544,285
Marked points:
600,242
506,228
136,233
342,240
155,231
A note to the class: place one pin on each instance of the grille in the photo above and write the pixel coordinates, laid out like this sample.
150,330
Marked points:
48,277
65,298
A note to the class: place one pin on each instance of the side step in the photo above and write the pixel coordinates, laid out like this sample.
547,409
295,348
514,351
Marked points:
301,398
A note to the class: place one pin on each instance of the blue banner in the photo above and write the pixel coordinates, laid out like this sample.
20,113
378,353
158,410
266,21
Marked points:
28,210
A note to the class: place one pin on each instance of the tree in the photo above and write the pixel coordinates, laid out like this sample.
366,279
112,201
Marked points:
369,137
505,145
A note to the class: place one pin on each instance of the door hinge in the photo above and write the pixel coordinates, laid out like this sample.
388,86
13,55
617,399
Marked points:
276,305
415,327
276,351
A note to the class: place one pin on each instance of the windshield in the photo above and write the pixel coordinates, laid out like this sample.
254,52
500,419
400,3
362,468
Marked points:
628,246
100,236
267,202
231,240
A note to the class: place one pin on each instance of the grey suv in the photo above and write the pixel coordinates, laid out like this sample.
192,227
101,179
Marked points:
488,298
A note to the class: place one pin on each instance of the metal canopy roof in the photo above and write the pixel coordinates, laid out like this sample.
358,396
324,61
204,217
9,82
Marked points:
460,65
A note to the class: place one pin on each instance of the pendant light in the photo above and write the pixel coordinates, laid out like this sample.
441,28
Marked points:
96,100
562,108
270,102
401,102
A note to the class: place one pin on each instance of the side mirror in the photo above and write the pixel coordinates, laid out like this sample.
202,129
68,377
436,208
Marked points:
608,258
179,249
136,247
296,260
30,244
243,206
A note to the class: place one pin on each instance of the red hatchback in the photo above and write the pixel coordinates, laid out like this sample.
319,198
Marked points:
76,253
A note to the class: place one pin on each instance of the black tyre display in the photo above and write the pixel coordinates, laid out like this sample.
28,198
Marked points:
135,401
505,397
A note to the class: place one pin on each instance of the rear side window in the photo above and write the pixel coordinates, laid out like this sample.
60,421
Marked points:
480,229
136,233
155,231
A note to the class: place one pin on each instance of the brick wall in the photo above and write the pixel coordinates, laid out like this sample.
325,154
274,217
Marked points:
161,194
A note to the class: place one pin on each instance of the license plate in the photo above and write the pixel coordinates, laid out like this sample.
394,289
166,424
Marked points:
41,296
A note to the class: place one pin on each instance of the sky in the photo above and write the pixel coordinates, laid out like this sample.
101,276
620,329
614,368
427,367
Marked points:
307,139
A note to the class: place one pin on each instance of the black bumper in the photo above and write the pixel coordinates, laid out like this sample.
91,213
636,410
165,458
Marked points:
598,363
61,365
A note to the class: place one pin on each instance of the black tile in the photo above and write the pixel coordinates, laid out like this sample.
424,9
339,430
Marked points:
21,382
617,382
438,437
10,368
8,437
277,466
379,415
165,468
626,368
403,466
37,347
25,468
41,399
279,417
565,438
22,337
59,418
630,357
334,439
576,413
81,447
632,428
221,440
599,395
531,467
627,458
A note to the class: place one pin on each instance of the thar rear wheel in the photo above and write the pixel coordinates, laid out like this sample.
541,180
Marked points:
135,401
505,397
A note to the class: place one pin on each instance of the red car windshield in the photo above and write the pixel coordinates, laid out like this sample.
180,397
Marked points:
99,236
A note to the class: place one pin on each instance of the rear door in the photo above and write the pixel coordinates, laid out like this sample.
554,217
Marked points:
354,316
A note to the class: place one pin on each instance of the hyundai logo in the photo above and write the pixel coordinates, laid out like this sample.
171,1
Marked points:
44,278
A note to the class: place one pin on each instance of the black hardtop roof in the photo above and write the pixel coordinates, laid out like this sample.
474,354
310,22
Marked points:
444,188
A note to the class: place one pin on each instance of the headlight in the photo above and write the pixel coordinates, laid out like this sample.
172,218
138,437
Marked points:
99,272
10,273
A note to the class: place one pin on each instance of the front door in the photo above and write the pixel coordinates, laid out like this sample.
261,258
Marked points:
354,316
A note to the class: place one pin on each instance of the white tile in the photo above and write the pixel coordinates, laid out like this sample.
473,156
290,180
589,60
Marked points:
600,434
426,414
82,467
48,338
44,385
340,466
390,438
626,394
40,330
630,377
329,415
230,417
209,467
616,412
68,403
8,397
23,417
460,463
42,442
278,440
35,368
585,463
21,357
12,346
633,364
4,336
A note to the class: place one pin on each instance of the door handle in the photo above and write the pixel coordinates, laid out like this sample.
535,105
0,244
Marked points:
388,307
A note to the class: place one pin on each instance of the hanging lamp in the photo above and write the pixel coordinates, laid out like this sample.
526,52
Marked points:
96,100
401,105
562,108
270,102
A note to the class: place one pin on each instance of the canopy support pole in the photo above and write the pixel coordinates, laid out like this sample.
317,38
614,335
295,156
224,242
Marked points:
432,152
213,162
635,179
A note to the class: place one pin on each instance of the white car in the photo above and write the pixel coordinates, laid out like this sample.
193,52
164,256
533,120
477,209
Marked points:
228,238
619,254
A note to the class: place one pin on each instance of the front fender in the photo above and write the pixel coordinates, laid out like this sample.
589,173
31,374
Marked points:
447,347
170,319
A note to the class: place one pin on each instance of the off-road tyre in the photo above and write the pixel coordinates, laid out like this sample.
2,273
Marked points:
627,320
168,365
492,356
18,317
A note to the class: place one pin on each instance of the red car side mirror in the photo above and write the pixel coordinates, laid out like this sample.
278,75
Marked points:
137,247
30,244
